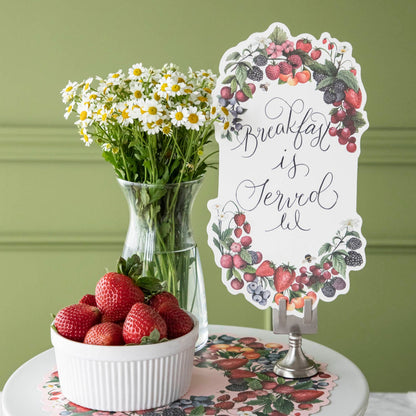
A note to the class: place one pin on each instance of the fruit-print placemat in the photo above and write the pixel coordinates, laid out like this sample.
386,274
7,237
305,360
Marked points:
231,376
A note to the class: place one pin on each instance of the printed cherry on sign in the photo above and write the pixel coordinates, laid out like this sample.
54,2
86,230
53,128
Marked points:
285,223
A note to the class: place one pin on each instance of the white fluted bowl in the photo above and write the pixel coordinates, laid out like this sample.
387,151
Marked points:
127,377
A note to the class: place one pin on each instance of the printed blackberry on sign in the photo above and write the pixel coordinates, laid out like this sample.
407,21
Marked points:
354,243
255,74
353,259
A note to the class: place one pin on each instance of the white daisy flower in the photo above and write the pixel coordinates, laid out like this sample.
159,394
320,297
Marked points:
84,113
136,89
86,85
106,147
177,116
151,127
175,87
194,118
69,109
69,91
136,71
124,114
85,137
115,78
152,110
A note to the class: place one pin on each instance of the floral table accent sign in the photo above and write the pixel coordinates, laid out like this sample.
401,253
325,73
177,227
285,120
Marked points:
284,223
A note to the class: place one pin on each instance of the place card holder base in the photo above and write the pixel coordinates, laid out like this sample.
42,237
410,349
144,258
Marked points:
295,364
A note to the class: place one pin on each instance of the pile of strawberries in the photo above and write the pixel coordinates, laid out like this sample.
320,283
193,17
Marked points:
122,313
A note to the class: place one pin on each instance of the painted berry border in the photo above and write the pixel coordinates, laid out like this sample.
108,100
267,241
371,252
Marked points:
285,60
263,281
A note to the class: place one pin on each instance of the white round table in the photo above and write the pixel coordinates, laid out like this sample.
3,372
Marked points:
349,398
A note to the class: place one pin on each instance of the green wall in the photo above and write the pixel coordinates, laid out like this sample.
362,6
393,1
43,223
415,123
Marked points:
63,218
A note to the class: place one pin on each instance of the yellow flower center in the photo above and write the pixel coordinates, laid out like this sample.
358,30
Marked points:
83,115
115,75
125,114
193,118
181,79
208,90
156,96
68,88
225,111
69,109
188,90
159,122
137,72
203,99
166,129
152,110
138,94
179,116
163,86
176,88
226,125
86,86
213,110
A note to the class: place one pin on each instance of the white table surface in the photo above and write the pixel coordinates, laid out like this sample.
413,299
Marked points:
349,397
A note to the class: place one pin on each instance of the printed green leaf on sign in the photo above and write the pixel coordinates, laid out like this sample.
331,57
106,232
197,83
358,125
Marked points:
325,249
358,120
228,79
216,229
325,83
338,263
236,273
278,36
246,256
249,269
349,78
234,85
317,67
233,55
241,75
247,91
229,274
332,69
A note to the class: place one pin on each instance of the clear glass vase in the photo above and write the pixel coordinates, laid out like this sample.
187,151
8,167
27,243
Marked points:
160,233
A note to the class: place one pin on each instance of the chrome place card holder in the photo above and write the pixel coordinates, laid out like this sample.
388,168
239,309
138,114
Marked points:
295,364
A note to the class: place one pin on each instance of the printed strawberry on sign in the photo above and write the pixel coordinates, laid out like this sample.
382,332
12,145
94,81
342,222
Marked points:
284,223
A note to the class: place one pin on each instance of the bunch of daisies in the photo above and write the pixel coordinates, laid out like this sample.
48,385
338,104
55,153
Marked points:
152,124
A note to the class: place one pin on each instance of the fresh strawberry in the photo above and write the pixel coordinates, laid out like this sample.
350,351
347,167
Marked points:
284,276
301,396
304,45
272,72
74,321
107,333
239,219
115,294
88,300
158,300
237,232
178,322
141,322
231,363
353,98
238,373
265,269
